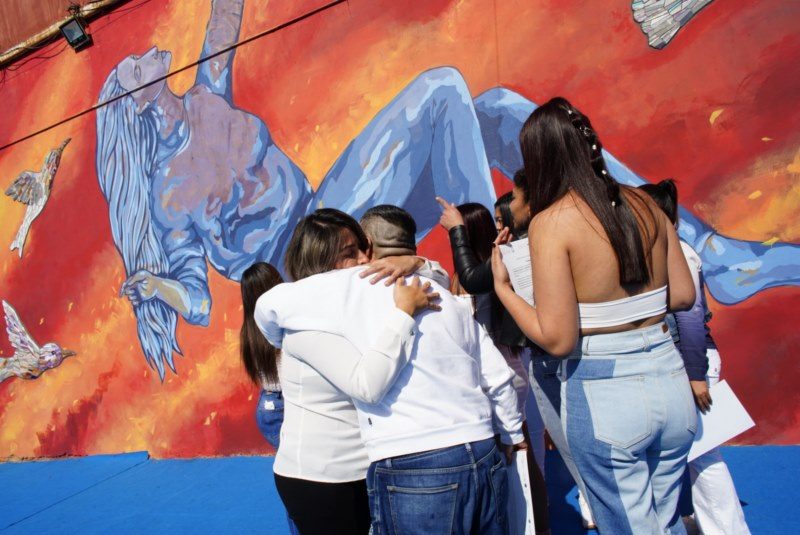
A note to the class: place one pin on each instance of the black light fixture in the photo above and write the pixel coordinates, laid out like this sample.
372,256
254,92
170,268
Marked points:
74,30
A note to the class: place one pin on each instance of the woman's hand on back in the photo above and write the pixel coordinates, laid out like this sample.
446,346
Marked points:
392,268
415,297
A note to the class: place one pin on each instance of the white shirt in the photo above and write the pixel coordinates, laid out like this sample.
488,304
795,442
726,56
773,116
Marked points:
320,439
456,380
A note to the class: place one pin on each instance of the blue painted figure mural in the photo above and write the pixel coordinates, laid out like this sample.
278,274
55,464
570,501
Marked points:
181,195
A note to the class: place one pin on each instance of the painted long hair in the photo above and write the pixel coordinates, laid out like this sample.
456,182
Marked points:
127,144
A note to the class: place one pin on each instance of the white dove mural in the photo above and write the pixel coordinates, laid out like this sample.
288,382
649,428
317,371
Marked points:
29,361
34,189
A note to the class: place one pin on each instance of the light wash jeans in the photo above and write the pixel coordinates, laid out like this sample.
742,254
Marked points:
630,419
460,490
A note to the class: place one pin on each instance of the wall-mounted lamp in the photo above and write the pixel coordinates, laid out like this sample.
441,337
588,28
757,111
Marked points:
74,30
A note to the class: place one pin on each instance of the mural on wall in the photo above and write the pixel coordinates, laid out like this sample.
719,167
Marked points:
181,194
29,361
33,190
376,102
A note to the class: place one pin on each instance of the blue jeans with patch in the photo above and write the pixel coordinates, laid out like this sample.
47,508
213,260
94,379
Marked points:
630,419
269,418
460,490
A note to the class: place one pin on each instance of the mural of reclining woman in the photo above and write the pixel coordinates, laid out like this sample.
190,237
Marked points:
192,180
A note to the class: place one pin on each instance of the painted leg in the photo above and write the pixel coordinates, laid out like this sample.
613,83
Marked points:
734,269
425,142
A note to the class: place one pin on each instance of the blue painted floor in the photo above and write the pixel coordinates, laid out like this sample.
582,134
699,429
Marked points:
134,494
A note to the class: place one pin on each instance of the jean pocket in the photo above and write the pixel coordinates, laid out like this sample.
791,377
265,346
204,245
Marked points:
619,410
685,398
499,482
429,510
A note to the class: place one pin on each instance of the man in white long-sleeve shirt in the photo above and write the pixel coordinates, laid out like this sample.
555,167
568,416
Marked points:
429,434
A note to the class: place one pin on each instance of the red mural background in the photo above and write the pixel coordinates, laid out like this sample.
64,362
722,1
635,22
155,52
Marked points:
717,109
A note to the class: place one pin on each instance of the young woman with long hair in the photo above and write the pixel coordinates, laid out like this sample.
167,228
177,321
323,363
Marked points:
480,231
607,265
430,434
260,358
714,498
320,465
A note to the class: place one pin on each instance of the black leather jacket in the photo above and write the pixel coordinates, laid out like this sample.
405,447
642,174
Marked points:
476,278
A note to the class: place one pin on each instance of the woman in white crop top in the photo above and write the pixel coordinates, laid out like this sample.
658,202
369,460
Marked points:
607,264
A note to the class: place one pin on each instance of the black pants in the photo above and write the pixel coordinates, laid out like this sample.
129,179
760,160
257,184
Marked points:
325,508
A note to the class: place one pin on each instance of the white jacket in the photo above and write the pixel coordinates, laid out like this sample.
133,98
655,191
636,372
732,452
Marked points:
456,379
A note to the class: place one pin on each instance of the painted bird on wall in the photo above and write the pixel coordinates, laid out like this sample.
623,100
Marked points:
29,361
34,189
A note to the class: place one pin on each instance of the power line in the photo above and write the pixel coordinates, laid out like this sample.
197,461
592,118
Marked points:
234,46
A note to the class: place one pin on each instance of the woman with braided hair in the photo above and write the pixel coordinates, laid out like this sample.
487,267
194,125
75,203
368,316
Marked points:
607,266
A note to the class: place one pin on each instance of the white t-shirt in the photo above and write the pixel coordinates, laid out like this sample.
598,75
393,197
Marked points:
456,380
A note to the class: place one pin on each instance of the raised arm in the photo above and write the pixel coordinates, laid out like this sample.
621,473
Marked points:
222,31
475,276
553,324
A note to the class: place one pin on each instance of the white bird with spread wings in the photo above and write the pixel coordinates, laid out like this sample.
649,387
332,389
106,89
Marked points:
34,190
29,361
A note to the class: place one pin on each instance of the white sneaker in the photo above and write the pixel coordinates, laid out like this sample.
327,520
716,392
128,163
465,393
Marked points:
586,514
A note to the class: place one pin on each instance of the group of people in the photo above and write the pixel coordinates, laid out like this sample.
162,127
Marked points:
396,403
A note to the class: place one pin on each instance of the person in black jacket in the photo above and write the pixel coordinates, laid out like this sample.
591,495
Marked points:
476,231
475,276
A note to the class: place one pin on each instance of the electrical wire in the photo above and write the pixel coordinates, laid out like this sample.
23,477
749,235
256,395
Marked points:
225,50
54,42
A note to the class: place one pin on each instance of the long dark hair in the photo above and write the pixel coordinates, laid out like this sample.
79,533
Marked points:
666,196
259,357
481,230
481,233
504,205
316,241
562,152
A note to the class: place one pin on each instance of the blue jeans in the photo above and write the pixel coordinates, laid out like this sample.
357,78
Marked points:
269,417
630,420
460,489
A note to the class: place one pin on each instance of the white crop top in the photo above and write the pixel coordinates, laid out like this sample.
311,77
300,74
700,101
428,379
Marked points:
625,310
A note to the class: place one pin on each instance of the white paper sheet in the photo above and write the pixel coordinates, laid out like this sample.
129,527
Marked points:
517,258
520,503
726,419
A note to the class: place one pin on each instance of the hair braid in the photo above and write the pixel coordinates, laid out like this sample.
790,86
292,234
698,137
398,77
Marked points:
584,126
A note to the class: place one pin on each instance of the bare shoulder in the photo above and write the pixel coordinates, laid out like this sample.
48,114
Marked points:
559,223
559,215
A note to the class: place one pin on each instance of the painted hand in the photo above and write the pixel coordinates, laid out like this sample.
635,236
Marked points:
140,287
